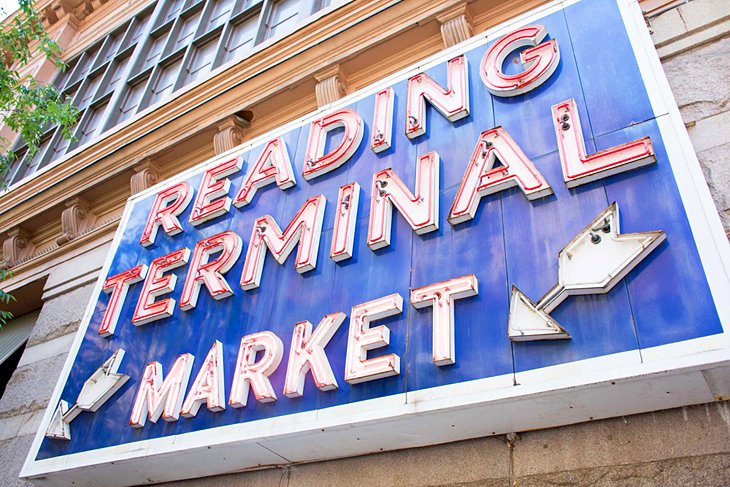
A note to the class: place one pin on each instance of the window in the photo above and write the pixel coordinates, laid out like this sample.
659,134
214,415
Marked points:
91,124
155,50
283,15
142,62
218,13
241,38
165,81
131,101
201,60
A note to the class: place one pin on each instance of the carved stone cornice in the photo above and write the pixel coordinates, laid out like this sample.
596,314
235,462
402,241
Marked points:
456,26
56,10
17,247
76,220
146,174
230,133
331,85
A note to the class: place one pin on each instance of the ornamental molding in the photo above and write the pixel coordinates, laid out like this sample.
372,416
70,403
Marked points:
17,247
230,133
331,85
146,174
456,26
76,220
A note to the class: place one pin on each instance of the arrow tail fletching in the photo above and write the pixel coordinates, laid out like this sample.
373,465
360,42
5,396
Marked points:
527,322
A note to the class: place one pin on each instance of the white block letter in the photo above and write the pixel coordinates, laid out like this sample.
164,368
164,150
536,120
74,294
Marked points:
358,368
540,62
255,373
421,210
168,204
482,178
305,230
579,168
156,397
307,353
453,102
441,297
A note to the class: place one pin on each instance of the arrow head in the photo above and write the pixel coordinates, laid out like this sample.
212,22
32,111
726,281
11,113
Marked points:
102,384
599,257
527,322
58,428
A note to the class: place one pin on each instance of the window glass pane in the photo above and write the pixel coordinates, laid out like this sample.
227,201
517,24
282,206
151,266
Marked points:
115,74
131,101
138,29
84,65
247,4
16,172
173,10
283,15
63,77
31,164
89,92
241,39
187,29
92,124
112,47
219,13
165,82
59,147
153,52
201,60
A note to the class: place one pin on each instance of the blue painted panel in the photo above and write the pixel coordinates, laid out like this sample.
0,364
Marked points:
475,247
510,241
609,75
670,298
527,117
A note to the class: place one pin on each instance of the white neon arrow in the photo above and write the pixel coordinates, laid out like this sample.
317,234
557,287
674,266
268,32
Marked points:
58,428
527,322
592,263
97,390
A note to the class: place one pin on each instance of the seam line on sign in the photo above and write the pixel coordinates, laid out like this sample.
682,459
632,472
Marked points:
633,319
272,451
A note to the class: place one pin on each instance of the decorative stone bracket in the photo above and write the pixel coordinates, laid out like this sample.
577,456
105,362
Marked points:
146,174
55,10
230,133
456,26
76,220
331,85
17,247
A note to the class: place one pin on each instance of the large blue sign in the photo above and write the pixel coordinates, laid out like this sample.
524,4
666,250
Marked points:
500,193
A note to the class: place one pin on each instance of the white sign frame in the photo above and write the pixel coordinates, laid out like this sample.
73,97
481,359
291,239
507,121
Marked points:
552,396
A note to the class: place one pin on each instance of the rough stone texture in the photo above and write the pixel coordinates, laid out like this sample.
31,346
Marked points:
278,477
12,457
482,462
688,18
23,424
31,386
705,107
61,315
705,471
715,164
700,80
686,446
676,433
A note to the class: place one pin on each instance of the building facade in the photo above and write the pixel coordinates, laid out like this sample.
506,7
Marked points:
164,86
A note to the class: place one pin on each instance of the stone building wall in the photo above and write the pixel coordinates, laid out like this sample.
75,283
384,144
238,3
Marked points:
686,446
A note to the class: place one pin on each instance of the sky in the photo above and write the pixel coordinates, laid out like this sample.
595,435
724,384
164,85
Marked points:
7,7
